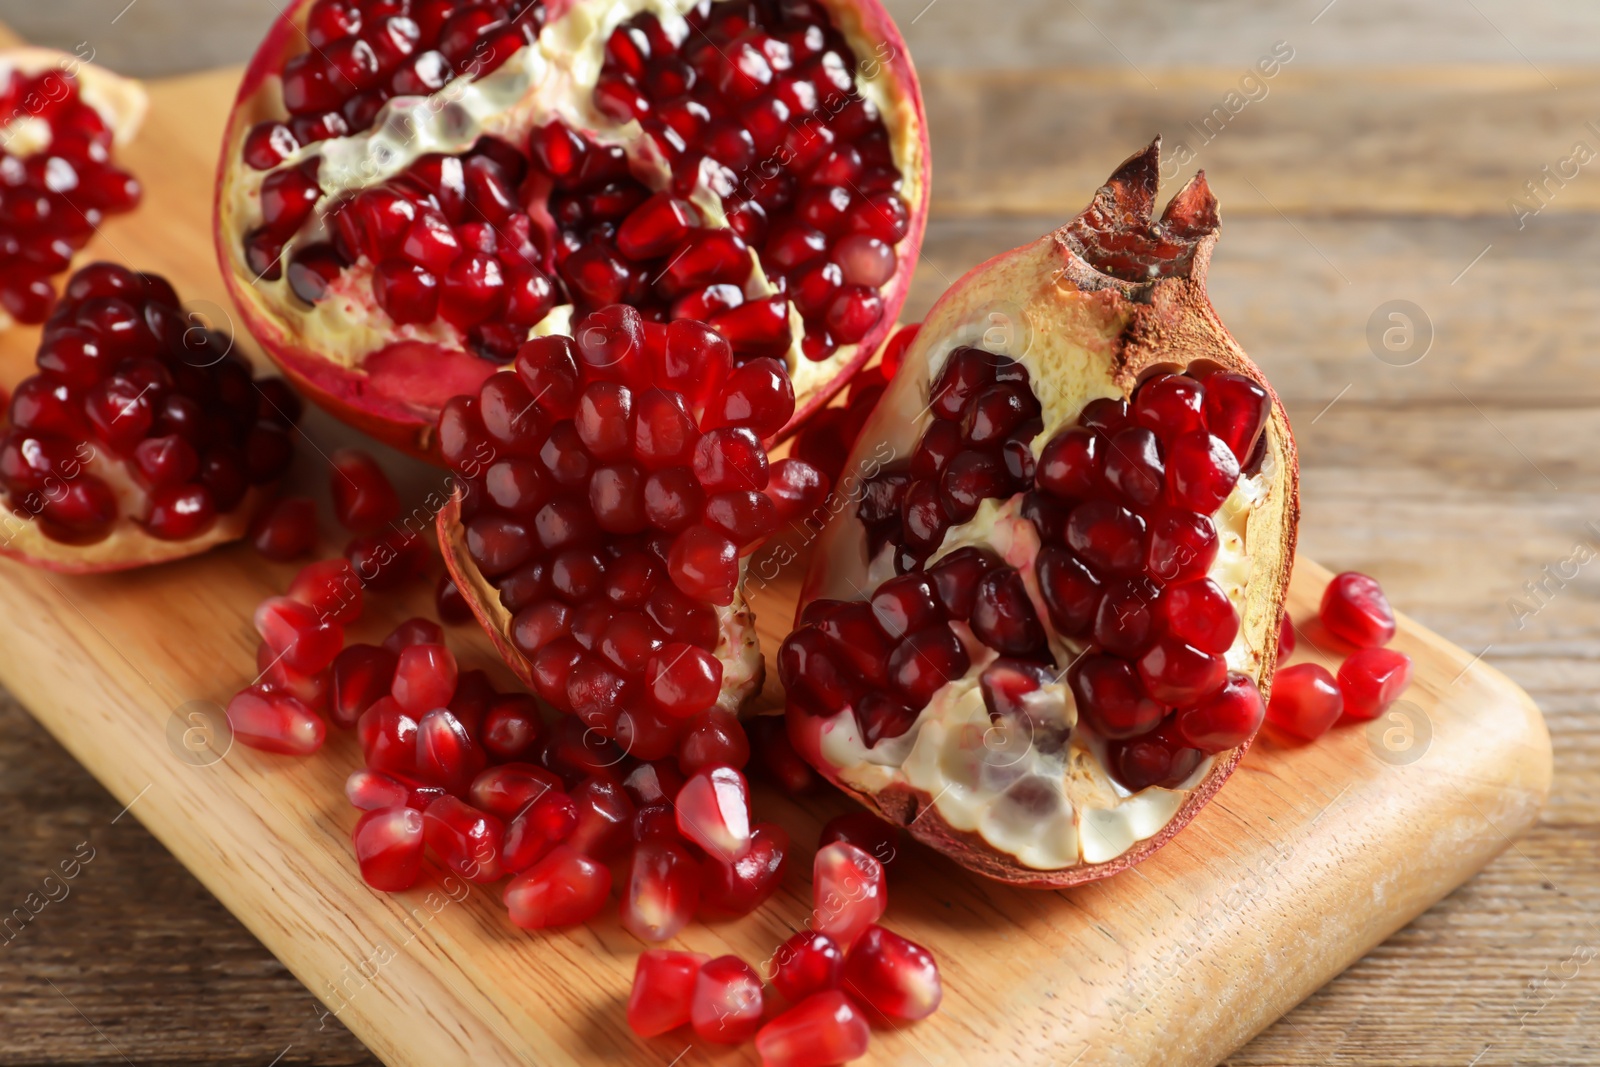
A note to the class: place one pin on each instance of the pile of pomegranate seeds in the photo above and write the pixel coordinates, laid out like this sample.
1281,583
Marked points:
130,393
1123,503
1307,700
53,198
836,974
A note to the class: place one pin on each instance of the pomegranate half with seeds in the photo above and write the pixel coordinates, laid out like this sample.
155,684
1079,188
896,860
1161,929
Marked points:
141,437
1043,635
410,189
62,116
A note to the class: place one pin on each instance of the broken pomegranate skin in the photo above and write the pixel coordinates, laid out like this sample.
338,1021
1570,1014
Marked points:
662,893
562,889
807,963
388,844
275,722
1355,610
448,260
821,1031
728,890
1372,679
1305,701
127,394
726,1005
896,976
848,892
1044,570
663,988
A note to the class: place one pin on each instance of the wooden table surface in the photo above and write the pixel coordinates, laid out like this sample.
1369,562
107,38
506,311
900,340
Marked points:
1381,165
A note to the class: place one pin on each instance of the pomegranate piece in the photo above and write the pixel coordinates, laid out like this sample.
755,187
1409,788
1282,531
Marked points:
475,248
714,813
807,963
740,887
363,498
275,722
1372,679
848,892
1041,583
388,845
563,888
663,988
820,1031
1305,701
662,893
1354,609
726,1005
893,975
465,840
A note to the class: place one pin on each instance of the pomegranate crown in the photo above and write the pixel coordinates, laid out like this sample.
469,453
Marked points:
1118,236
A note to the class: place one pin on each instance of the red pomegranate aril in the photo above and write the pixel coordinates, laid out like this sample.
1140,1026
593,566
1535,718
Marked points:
683,679
1070,464
388,845
864,830
704,563
269,144
511,727
465,840
738,888
447,755
406,291
531,834
1159,758
1171,405
1108,537
372,790
1201,472
563,888
424,678
1178,674
726,1005
758,395
925,661
362,675
1134,466
662,893
507,790
807,963
848,892
180,512
388,738
823,1030
166,461
297,635
1355,610
363,498
1111,699
714,812
1201,614
1372,679
1227,719
1305,701
287,530
896,976
663,989
605,818
414,631
1183,546
1236,410
1286,638
1002,615
275,722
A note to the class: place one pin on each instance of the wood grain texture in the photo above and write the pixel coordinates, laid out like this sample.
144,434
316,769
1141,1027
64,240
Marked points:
1421,490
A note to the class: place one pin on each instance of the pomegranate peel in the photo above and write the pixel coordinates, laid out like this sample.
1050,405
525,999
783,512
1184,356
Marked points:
1047,368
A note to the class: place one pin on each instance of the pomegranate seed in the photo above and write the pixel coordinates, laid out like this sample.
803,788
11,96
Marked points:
424,678
1134,466
372,790
532,833
848,892
896,976
769,741
757,395
1179,674
296,634
1237,410
465,840
1200,614
414,631
1183,546
363,498
714,812
1286,638
446,753
662,893
807,963
864,830
1372,679
1305,701
1226,720
704,563
388,738
511,727
331,588
275,722
287,530
1354,609
388,845
663,987
362,675
738,888
605,818
1201,472
822,1030
711,739
726,1005
563,888
1171,405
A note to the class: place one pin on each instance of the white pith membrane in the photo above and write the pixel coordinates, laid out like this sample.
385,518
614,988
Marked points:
1038,809
121,103
552,80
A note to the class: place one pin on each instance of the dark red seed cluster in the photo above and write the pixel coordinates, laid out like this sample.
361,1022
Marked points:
52,200
126,378
612,483
1123,503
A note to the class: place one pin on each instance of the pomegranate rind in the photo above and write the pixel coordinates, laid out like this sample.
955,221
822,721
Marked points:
383,412
738,648
1098,304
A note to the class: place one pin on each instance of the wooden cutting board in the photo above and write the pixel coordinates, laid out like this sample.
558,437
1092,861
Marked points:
1307,859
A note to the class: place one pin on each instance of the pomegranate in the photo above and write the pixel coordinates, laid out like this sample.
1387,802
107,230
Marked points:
63,118
408,192
141,437
1043,632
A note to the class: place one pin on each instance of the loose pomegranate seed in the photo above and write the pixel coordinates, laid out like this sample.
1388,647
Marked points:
414,631
511,727
807,963
714,812
726,1005
662,893
1305,701
663,988
275,722
465,840
531,834
563,888
388,845
372,790
738,888
424,678
605,818
1354,609
331,588
864,830
388,738
1286,638
848,892
1228,719
821,1030
362,675
287,530
447,755
896,976
1372,679
509,789
296,634
713,738
363,498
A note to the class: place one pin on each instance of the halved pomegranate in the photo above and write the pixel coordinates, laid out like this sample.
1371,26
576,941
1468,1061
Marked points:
410,189
1043,636
62,117
141,438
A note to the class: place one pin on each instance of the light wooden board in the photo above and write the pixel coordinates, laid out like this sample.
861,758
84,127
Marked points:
1307,859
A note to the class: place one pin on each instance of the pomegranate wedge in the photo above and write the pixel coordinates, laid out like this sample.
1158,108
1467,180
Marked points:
1044,636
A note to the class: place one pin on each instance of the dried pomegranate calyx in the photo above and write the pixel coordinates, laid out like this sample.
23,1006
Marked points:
1088,531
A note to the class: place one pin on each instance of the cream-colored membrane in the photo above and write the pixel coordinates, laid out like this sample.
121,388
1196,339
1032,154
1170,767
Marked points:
1049,809
551,80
